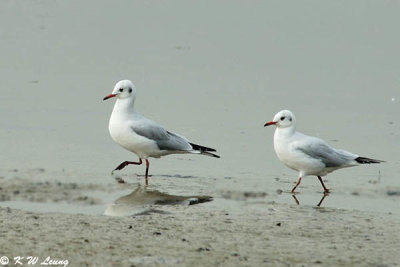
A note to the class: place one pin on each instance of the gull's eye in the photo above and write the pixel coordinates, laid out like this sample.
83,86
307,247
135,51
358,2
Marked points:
282,118
121,89
290,118
130,90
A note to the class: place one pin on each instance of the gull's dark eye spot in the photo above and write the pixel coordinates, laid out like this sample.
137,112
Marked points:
130,90
282,118
121,89
290,118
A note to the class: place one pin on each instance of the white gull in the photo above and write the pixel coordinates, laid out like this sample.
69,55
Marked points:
307,154
142,136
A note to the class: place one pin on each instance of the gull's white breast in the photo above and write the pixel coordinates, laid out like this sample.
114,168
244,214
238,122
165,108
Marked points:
285,149
122,133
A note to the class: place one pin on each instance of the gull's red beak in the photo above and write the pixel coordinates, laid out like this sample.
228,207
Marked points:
270,123
109,96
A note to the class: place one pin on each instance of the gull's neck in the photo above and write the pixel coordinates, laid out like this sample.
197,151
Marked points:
123,107
285,132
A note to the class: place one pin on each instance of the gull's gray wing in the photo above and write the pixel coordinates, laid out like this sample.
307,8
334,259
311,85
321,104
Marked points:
164,139
329,156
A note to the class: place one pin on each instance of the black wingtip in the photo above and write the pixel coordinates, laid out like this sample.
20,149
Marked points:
205,150
210,154
202,148
363,160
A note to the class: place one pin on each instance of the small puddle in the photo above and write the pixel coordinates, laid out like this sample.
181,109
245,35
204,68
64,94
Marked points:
141,201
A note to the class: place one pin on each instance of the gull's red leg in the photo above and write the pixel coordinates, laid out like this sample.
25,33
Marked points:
298,182
147,172
295,199
126,163
322,199
326,190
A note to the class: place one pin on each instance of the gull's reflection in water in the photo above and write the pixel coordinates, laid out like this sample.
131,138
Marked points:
318,205
144,201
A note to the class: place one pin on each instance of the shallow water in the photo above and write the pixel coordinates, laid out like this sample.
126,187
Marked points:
213,74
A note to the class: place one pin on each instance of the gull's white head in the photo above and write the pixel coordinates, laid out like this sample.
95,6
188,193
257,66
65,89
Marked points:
122,90
283,119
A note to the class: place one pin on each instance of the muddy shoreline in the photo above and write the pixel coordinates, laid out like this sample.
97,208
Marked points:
149,232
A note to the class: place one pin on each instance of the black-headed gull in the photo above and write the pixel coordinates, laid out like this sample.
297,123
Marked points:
307,154
142,136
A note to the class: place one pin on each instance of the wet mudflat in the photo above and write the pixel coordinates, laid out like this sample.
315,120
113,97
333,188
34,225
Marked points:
216,75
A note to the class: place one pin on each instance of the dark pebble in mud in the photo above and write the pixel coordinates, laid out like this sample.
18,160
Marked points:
393,193
255,194
120,180
203,249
